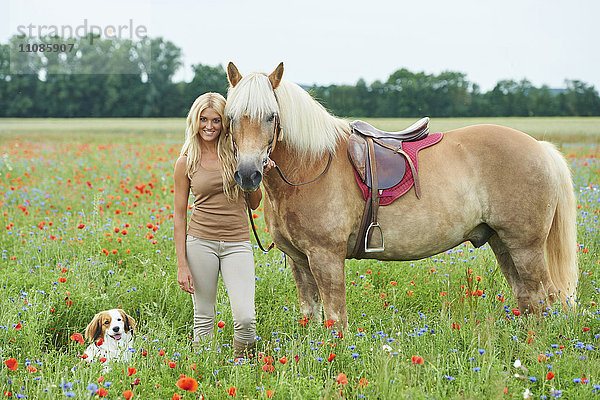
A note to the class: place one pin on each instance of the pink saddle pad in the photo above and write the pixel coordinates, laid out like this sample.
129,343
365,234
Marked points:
388,196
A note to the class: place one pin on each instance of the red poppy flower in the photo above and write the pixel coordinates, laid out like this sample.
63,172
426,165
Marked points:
417,360
128,394
231,391
268,360
18,326
80,226
102,392
31,369
331,357
12,364
161,353
549,375
516,312
586,329
176,397
144,353
101,379
221,324
329,323
102,359
363,382
268,368
100,342
172,364
283,360
77,337
342,379
187,383
131,371
269,393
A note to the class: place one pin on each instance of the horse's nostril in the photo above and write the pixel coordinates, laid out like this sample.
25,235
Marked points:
256,177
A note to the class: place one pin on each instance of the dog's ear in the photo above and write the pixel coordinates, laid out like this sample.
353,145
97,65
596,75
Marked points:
129,321
94,329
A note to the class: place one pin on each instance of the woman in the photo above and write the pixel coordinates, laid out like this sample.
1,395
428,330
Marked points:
218,239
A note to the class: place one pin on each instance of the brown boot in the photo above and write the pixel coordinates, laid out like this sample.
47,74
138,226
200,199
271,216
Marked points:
243,350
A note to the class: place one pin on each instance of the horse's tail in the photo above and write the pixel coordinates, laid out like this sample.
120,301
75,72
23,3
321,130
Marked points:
561,245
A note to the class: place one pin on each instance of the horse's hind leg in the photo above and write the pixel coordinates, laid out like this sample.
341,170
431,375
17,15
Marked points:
308,292
507,267
526,271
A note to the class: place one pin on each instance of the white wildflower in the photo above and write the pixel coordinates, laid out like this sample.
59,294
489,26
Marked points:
517,363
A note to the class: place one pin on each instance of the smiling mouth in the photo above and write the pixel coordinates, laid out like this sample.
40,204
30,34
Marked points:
116,336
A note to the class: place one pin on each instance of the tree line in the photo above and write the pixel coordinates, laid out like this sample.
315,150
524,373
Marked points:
137,81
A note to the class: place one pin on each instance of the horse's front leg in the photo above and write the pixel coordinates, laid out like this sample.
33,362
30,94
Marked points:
308,292
327,267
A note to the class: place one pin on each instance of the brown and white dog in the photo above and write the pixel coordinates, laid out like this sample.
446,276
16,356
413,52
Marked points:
111,336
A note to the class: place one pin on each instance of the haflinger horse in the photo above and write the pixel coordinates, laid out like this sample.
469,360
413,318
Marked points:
481,183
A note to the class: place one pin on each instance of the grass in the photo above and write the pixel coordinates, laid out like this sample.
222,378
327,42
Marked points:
67,186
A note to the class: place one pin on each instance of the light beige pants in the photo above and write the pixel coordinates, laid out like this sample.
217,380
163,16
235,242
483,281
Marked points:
235,262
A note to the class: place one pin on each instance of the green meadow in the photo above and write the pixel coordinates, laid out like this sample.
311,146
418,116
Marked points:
86,209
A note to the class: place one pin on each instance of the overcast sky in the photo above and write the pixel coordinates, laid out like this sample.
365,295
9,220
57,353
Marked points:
341,41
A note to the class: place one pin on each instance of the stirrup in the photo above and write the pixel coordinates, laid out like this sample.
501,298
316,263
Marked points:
374,249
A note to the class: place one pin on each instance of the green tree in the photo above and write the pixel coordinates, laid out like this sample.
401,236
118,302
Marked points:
206,79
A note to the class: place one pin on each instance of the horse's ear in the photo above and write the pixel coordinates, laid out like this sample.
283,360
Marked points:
276,76
233,74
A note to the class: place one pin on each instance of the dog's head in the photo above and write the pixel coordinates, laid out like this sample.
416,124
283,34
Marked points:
111,324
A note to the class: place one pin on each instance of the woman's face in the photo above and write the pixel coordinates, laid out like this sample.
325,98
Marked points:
210,125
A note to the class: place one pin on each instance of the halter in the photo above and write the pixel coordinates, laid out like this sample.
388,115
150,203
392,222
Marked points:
271,146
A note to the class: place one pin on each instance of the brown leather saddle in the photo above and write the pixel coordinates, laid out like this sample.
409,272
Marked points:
380,162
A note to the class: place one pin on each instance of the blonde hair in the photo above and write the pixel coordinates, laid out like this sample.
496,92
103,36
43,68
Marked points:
192,149
306,126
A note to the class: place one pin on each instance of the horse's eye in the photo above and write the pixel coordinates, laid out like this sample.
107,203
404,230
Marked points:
271,117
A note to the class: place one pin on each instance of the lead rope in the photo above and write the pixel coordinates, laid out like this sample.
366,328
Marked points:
247,198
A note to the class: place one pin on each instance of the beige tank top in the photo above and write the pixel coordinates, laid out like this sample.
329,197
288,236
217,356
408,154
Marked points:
214,217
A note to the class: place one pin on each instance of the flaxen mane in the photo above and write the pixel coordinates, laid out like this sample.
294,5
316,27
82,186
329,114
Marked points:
305,124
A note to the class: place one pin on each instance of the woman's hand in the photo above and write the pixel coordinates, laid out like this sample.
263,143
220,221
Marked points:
270,164
184,277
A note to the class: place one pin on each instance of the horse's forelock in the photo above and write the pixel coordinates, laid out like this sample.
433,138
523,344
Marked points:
253,96
306,126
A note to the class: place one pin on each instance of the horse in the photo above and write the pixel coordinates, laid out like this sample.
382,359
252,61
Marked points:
480,183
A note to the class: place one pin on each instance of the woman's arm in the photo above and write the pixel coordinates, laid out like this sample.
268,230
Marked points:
182,193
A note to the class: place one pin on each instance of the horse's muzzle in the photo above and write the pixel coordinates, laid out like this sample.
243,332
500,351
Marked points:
248,177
